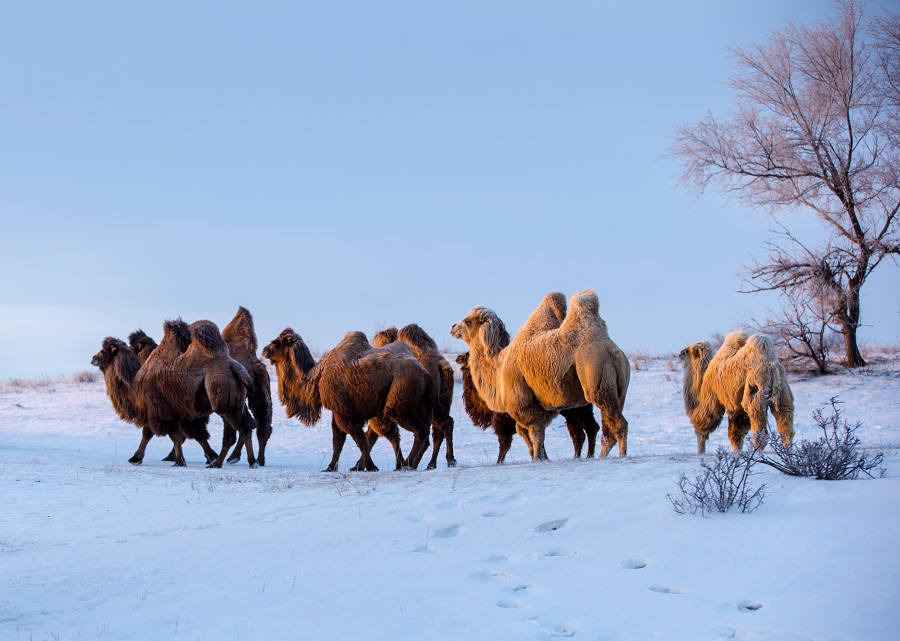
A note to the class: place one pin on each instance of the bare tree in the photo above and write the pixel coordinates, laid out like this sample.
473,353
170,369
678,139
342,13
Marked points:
816,127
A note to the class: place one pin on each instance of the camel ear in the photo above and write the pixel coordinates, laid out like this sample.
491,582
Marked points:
113,349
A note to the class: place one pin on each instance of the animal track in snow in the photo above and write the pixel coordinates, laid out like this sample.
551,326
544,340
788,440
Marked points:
551,526
508,604
522,590
634,564
448,532
667,590
749,606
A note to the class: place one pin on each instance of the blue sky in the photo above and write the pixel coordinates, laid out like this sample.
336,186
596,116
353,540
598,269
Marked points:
338,166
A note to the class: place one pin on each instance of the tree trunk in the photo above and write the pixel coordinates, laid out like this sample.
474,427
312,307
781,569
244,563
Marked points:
849,324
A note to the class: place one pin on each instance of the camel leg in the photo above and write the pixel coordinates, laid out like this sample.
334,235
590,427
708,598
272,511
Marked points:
359,437
591,428
505,442
738,427
338,438
784,419
178,441
522,431
702,437
447,429
576,432
419,446
247,425
260,402
389,430
138,458
229,437
438,435
537,434
441,430
610,434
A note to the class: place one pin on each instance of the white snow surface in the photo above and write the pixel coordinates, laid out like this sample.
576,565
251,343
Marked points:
92,547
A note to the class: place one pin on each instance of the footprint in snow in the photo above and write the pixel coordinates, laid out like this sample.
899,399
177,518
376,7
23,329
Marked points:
749,606
634,564
508,604
667,590
522,590
448,532
551,526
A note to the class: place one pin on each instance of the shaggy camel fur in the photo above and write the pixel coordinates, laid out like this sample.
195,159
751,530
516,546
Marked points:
442,380
141,344
120,366
580,421
358,383
744,379
543,371
240,336
189,376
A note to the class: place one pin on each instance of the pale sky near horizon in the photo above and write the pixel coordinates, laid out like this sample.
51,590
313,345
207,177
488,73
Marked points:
337,166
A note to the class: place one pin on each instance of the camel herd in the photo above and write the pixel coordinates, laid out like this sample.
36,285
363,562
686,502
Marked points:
561,361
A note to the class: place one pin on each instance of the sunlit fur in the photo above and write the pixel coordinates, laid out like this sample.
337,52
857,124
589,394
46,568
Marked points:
743,379
543,371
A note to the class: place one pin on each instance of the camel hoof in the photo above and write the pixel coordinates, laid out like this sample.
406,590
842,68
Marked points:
180,463
431,466
254,465
170,458
233,460
451,463
135,461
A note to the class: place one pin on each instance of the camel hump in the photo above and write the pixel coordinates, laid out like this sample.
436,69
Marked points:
735,339
764,345
417,337
206,334
384,337
556,304
240,331
585,303
584,310
178,331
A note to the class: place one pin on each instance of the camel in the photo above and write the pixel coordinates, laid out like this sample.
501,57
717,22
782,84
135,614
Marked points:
119,365
358,383
543,371
240,336
580,421
141,344
442,380
189,376
744,379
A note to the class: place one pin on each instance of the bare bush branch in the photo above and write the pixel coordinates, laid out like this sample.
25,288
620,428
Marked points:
834,456
722,483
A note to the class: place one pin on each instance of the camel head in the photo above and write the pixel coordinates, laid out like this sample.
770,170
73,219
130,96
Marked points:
108,353
289,348
116,360
141,344
463,360
481,325
695,359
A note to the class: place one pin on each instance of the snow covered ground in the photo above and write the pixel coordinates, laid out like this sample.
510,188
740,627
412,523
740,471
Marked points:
94,548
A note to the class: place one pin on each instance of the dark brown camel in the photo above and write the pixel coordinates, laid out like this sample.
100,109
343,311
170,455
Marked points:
441,373
240,336
189,376
120,366
358,383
